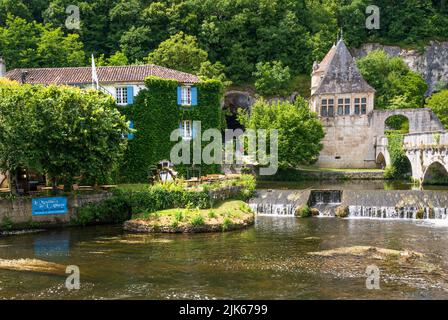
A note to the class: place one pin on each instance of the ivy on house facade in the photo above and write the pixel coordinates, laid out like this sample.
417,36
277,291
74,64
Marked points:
156,111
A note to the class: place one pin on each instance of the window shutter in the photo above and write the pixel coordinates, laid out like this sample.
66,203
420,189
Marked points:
179,95
194,96
193,130
131,126
130,94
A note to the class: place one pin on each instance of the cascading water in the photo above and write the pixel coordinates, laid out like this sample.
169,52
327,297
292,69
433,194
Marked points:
273,209
326,201
398,213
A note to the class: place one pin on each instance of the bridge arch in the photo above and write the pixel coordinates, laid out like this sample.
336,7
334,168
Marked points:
436,173
397,122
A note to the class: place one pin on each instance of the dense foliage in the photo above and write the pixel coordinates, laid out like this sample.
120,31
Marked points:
157,197
236,33
397,87
438,103
400,166
299,130
62,132
271,78
156,114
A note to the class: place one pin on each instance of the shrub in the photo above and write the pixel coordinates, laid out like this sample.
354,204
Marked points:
226,224
303,211
342,211
197,220
211,214
7,223
112,210
178,216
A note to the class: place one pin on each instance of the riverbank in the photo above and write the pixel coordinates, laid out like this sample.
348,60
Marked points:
227,216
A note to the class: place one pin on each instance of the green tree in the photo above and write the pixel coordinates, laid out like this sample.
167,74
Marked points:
180,52
299,130
60,131
117,59
396,85
438,103
271,78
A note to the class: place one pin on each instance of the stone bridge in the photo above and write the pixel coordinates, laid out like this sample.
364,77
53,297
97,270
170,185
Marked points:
427,153
420,120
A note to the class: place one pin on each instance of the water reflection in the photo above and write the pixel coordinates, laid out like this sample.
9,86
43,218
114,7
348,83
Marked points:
269,261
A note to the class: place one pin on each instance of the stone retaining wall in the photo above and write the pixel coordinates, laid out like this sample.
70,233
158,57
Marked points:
19,210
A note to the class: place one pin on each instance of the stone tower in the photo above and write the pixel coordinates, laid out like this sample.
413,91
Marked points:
344,102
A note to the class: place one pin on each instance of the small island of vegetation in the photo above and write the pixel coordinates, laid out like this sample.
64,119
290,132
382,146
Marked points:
227,216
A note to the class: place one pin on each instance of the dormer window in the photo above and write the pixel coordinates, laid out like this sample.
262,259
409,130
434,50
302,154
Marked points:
121,94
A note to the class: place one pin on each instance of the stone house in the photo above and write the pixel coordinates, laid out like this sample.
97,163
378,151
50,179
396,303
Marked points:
344,102
123,83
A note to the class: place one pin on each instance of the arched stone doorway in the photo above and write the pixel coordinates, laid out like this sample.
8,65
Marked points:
397,123
436,173
381,161
233,101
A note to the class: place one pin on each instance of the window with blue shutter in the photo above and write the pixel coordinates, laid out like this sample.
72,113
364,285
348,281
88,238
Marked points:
194,96
131,134
130,90
179,95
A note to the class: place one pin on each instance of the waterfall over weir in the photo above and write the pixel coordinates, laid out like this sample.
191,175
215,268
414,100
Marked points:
377,204
326,201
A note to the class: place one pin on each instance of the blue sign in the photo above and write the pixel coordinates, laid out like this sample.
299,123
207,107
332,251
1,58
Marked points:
46,206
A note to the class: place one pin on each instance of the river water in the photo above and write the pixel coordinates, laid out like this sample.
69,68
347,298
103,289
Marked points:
268,261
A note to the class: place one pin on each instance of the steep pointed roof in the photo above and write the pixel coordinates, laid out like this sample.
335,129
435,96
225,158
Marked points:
341,75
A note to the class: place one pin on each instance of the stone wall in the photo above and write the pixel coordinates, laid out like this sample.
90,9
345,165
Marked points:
19,210
432,64
348,142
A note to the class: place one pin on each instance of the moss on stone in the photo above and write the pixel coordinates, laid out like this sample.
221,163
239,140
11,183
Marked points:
342,211
303,211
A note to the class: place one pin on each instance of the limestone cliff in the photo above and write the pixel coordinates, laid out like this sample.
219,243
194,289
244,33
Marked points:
432,63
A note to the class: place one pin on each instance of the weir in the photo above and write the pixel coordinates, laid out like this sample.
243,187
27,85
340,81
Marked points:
395,204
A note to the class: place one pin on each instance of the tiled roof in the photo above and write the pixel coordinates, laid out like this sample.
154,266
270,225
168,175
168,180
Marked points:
341,75
83,75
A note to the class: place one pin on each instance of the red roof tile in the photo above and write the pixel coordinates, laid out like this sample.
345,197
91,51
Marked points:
83,75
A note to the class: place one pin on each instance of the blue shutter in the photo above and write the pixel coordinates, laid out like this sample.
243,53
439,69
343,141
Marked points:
131,126
130,94
194,96
179,95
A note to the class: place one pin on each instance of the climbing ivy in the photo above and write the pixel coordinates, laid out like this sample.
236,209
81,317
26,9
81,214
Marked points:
156,114
399,163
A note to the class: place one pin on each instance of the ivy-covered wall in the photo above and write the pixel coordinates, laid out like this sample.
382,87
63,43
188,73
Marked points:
155,114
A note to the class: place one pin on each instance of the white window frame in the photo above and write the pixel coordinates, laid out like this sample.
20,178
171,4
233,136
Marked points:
185,96
187,129
121,95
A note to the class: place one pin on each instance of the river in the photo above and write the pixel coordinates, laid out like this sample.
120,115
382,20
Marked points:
267,261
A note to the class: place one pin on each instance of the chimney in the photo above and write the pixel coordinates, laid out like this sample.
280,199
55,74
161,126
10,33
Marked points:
2,67
24,75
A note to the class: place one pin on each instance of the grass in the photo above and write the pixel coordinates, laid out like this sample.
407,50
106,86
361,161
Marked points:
225,214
